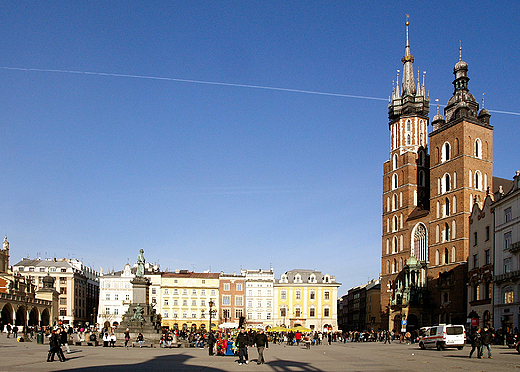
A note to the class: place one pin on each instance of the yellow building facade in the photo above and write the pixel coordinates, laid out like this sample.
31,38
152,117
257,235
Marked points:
307,298
185,298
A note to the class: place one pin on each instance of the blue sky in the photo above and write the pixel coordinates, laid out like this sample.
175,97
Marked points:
225,176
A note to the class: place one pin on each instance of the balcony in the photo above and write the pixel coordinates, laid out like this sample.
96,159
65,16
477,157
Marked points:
515,247
507,276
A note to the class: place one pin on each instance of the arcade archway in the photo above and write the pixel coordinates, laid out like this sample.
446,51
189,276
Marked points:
7,316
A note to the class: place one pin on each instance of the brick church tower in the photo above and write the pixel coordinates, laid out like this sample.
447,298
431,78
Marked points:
405,193
427,200
461,171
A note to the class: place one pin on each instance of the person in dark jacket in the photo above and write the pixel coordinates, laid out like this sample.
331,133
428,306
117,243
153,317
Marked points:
476,343
261,345
211,342
55,348
64,339
487,337
242,343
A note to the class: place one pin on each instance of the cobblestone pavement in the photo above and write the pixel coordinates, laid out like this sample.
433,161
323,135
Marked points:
28,357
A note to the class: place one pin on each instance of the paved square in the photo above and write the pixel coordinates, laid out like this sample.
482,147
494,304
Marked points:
371,356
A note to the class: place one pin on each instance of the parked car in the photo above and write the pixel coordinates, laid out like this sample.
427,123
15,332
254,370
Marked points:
442,336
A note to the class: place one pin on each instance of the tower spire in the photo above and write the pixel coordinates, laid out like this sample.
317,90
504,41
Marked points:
408,78
408,96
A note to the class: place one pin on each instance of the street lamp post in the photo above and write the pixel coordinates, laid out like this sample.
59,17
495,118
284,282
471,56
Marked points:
26,322
211,304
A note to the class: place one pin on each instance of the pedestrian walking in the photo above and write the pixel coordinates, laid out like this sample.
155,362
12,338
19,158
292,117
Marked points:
487,337
55,347
9,329
261,345
127,337
476,343
242,343
64,339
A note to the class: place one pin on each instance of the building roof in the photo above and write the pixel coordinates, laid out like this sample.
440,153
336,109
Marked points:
305,275
26,262
191,274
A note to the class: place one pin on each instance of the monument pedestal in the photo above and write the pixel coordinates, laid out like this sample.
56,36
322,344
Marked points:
141,316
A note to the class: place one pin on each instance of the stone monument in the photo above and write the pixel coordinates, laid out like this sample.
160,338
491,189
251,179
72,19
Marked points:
141,316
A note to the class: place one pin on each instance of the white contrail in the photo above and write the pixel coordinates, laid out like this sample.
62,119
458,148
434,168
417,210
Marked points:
217,83
192,81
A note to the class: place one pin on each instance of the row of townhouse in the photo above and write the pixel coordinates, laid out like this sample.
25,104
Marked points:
360,308
252,298
493,289
77,286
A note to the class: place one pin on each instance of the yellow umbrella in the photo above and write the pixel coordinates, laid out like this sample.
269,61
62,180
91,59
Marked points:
278,329
300,329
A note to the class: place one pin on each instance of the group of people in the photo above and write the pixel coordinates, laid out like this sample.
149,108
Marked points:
58,337
244,340
481,339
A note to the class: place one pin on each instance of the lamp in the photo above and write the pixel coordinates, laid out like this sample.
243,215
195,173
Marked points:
211,304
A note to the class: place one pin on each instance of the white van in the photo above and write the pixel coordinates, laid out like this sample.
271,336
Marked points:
442,336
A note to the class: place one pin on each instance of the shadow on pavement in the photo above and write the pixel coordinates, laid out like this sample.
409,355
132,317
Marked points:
178,363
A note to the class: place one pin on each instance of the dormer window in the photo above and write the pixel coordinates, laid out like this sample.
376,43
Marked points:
297,278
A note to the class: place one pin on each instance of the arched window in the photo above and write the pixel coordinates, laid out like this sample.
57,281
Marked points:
421,178
408,125
453,251
420,249
400,264
478,180
454,180
447,183
421,158
394,266
446,256
395,202
396,223
447,207
437,257
387,246
396,162
396,183
408,139
446,152
396,244
478,148
437,233
388,266
446,232
453,230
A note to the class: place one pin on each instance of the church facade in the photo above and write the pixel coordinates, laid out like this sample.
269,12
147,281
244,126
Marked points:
429,188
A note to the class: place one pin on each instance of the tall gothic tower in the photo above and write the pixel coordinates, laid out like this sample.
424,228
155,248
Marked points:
405,190
461,171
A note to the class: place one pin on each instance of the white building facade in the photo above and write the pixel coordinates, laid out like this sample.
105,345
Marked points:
507,257
115,293
259,297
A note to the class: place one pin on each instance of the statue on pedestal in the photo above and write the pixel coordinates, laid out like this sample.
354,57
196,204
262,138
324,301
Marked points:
138,314
140,264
